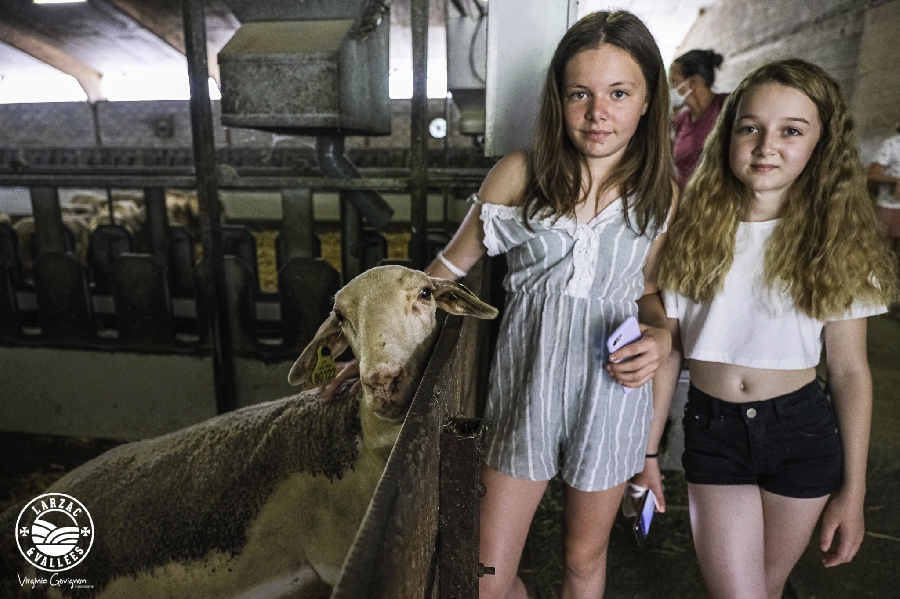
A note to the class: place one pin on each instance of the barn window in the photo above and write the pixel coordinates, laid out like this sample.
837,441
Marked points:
152,84
18,89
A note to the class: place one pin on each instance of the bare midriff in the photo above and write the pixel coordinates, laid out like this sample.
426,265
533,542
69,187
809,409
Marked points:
740,384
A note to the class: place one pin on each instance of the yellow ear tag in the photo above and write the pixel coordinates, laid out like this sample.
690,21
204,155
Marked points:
325,369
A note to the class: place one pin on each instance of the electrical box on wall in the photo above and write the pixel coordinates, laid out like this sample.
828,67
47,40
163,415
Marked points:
522,36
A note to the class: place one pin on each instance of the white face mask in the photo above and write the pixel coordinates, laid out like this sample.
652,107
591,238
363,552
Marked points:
675,97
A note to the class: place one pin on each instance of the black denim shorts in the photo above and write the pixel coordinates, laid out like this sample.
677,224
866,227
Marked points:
788,445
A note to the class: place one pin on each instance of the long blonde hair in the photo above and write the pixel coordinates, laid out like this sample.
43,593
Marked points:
646,170
826,252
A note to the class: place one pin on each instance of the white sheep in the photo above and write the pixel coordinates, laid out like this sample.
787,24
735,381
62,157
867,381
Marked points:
81,216
183,209
268,497
76,222
128,214
85,212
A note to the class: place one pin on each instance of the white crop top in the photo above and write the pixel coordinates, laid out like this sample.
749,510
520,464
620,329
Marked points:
747,324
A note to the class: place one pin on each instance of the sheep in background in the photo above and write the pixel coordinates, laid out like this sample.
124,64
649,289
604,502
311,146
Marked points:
183,209
269,496
83,213
77,222
87,203
128,209
128,214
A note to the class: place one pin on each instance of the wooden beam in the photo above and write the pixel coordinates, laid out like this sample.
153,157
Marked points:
165,26
41,49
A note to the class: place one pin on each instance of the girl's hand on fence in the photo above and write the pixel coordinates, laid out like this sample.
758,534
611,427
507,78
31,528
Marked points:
843,515
636,363
345,371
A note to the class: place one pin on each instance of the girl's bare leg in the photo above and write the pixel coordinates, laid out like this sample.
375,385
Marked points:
506,513
588,521
789,524
729,536
748,540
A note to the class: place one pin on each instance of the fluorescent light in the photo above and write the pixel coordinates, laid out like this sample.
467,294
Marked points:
57,1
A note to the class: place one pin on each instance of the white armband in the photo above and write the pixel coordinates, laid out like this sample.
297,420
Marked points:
450,266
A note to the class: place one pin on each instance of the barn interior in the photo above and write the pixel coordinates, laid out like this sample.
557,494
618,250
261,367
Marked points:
166,251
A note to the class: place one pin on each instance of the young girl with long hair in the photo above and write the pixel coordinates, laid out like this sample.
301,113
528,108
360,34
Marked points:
774,251
580,218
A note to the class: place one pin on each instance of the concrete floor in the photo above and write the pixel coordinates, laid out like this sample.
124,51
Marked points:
667,567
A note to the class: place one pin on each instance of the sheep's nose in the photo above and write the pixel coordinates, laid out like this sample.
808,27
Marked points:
384,377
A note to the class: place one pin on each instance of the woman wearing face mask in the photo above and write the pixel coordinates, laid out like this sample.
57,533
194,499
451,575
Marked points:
691,77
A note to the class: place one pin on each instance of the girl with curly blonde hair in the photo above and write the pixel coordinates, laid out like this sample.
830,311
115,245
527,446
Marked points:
775,250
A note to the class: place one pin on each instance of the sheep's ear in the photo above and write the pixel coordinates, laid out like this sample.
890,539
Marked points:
456,299
329,335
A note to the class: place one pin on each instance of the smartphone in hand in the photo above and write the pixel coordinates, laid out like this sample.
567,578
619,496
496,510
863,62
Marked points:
644,517
627,332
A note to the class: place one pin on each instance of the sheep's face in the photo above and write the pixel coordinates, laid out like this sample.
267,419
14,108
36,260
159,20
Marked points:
388,318
387,315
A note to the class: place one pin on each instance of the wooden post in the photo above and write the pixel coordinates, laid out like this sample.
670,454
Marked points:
459,505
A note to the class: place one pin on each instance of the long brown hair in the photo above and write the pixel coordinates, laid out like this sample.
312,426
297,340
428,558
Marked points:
826,252
646,171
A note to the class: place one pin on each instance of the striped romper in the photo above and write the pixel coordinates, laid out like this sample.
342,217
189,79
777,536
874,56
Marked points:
551,404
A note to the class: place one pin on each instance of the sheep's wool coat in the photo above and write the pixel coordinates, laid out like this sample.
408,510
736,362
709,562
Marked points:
184,495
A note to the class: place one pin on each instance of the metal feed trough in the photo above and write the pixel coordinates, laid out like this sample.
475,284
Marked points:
307,68
318,67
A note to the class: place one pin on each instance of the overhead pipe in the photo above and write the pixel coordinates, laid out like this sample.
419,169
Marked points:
334,163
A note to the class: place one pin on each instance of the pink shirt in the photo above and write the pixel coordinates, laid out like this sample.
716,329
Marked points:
690,135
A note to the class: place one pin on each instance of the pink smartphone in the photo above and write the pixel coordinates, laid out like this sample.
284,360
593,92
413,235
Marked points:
627,332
